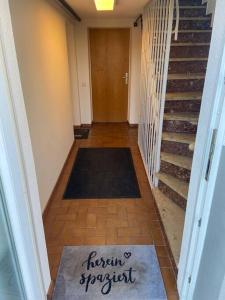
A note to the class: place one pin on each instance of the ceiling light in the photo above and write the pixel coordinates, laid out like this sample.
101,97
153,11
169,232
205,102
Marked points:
104,4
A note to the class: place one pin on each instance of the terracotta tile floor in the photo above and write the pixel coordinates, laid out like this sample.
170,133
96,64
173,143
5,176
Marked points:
107,222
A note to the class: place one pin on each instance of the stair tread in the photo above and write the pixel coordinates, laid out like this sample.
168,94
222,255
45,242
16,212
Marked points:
185,138
191,7
177,160
177,185
186,76
189,117
172,217
195,18
195,30
184,96
189,59
188,44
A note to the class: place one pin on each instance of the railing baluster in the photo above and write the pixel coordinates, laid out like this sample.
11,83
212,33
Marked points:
156,39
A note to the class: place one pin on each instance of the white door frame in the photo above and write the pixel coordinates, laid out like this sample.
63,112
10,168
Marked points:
201,191
17,169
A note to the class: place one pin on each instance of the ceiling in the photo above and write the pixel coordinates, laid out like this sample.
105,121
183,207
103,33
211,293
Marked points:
123,9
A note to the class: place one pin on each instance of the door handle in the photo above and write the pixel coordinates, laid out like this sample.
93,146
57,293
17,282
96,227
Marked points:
126,78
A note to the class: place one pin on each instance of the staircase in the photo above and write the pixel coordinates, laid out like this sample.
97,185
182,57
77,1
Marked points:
187,67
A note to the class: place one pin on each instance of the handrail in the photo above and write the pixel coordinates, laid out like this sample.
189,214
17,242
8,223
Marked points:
176,29
69,9
137,20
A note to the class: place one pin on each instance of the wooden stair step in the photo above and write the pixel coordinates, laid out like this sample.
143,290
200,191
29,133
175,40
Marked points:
177,160
177,185
184,138
187,76
186,117
183,96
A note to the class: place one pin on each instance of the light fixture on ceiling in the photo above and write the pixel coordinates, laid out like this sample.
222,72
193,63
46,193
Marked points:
104,4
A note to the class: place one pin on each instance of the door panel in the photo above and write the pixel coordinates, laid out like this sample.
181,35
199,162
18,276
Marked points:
11,287
212,267
109,49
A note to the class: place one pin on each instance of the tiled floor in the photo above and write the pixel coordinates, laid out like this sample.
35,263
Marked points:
107,222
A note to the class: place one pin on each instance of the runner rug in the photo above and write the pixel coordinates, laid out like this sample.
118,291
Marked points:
102,173
109,272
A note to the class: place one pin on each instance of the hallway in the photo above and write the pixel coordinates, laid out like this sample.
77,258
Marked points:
163,87
110,221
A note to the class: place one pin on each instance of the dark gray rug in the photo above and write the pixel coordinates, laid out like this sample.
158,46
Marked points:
109,272
103,173
81,133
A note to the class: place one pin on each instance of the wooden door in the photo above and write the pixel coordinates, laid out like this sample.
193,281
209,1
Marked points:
109,50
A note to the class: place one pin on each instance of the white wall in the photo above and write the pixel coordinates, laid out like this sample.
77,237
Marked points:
135,72
83,66
40,37
73,73
83,73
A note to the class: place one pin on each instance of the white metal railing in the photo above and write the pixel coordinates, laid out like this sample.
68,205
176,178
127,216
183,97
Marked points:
156,40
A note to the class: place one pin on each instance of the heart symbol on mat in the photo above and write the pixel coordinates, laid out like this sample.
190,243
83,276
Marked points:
127,255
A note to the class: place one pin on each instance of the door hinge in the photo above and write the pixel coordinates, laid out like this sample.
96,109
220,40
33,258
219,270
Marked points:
189,279
211,152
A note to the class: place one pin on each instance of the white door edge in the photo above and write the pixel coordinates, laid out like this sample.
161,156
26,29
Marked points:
200,191
17,169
